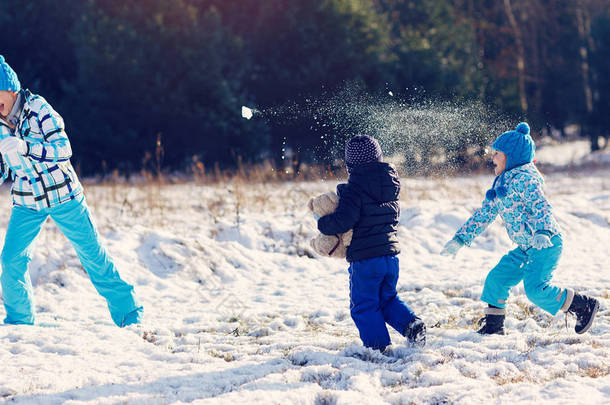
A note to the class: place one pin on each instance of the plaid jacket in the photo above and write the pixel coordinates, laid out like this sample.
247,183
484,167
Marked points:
43,177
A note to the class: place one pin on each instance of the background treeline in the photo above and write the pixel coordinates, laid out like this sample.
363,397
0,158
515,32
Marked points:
125,74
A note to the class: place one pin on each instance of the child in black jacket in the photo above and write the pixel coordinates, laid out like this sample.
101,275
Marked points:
369,205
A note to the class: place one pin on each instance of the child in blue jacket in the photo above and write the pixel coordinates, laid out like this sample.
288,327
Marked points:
369,205
517,196
35,154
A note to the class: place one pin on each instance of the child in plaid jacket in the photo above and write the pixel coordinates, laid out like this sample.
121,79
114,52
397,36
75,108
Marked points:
35,155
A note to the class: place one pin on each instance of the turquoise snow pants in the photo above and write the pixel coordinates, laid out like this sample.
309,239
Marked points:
75,222
374,300
535,268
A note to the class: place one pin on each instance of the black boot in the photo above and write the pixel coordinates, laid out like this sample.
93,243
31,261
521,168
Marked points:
584,308
415,332
493,321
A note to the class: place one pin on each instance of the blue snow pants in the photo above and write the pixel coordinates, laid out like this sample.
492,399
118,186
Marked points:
535,268
75,222
374,301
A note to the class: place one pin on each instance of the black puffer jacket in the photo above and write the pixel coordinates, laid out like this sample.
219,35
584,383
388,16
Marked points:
368,204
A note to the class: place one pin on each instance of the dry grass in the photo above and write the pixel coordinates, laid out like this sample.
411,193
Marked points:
526,310
595,372
515,379
152,194
228,357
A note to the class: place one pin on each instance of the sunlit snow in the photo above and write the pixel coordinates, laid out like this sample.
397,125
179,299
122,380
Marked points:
239,310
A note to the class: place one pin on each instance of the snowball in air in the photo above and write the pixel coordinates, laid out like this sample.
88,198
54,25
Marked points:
246,112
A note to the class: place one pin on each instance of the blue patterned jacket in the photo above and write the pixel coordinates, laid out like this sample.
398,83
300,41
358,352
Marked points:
43,177
524,209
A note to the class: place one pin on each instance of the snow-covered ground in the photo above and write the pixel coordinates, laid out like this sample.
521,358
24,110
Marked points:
238,309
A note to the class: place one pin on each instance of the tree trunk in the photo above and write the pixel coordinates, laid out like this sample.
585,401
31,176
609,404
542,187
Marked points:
536,66
583,34
520,56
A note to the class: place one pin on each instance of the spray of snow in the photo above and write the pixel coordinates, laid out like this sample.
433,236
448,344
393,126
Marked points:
426,134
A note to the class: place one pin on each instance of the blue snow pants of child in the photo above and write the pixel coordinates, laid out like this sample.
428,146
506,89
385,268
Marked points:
535,268
74,221
374,301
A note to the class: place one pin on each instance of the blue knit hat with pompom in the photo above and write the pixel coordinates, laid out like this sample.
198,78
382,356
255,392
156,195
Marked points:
519,148
517,145
8,78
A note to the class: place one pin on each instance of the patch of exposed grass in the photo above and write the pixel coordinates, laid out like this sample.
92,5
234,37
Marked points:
595,372
226,356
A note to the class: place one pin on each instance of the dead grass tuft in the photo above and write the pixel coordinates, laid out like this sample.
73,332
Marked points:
595,372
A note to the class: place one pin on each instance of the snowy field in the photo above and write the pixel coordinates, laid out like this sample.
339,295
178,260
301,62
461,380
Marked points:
239,310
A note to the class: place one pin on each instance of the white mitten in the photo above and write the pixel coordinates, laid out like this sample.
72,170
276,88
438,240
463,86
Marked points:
13,144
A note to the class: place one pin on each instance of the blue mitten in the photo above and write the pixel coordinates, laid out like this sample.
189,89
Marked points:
541,241
452,247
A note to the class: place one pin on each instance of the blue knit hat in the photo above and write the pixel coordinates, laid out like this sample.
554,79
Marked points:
517,145
8,78
360,150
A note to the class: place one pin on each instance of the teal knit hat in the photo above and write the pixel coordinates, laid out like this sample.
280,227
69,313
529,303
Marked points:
517,145
8,78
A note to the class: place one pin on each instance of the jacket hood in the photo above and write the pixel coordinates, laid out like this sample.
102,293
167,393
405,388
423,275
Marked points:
379,180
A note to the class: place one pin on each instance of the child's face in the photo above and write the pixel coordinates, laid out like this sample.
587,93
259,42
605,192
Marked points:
7,99
499,159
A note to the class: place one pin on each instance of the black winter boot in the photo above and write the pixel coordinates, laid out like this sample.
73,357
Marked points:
493,321
415,332
584,308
